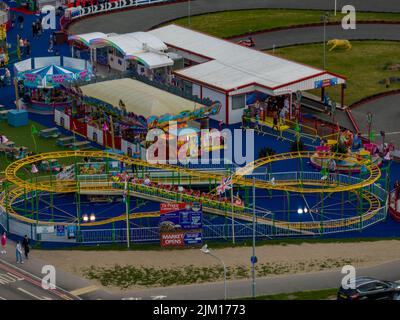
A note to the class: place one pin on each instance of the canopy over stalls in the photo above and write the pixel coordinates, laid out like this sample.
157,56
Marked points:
154,104
140,46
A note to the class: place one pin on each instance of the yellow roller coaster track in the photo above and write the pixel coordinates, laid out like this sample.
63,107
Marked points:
64,186
374,173
304,227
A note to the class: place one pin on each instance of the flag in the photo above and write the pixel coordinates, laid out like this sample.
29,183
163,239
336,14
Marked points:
4,139
34,169
34,130
105,127
226,184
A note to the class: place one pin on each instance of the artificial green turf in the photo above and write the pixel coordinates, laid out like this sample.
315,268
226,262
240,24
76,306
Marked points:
231,23
364,66
22,137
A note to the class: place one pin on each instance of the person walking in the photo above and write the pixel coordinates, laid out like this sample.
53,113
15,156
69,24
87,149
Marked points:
20,20
28,48
18,252
50,45
25,244
34,30
7,75
275,122
3,243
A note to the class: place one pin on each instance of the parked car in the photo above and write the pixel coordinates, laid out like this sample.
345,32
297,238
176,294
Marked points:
366,288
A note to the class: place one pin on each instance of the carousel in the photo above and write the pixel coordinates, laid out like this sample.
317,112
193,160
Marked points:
352,147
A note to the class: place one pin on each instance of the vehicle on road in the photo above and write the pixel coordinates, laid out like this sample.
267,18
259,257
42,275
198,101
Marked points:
365,288
247,43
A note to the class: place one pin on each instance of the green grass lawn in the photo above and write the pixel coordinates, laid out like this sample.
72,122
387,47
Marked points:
231,23
22,137
304,295
364,66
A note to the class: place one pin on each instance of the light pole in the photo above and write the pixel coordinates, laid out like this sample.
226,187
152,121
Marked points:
189,13
369,121
335,7
253,257
205,250
325,19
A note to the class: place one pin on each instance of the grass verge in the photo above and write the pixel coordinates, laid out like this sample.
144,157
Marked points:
365,65
325,294
232,23
126,276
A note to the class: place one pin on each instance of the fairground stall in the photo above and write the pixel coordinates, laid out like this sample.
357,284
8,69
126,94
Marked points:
40,82
139,52
118,113
5,15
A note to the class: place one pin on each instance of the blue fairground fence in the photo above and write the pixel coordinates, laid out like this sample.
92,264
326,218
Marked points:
219,232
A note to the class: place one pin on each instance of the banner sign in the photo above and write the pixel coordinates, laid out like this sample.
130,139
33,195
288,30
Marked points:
60,229
325,83
32,80
57,79
180,224
78,12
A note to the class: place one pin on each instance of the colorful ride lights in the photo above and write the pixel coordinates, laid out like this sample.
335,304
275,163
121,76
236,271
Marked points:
87,218
301,211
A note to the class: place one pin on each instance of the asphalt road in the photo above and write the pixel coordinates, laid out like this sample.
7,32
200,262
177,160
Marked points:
17,284
282,38
387,121
146,18
24,281
264,286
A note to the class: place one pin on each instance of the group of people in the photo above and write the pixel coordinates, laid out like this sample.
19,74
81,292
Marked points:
22,248
274,107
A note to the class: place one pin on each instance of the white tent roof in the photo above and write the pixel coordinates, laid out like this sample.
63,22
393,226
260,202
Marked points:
140,46
232,66
138,97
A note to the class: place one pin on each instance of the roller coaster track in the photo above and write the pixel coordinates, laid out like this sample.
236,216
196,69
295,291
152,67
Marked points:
66,186
305,228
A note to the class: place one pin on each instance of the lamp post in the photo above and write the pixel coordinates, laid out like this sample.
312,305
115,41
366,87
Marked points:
369,121
205,250
189,13
335,7
253,257
325,19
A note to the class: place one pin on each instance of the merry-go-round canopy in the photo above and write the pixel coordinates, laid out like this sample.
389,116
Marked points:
52,76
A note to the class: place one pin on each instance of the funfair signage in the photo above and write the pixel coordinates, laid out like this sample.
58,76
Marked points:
78,12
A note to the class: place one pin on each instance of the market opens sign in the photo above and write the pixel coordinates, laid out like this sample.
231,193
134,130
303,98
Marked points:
180,224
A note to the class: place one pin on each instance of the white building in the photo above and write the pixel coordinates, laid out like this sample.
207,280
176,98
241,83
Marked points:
214,68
